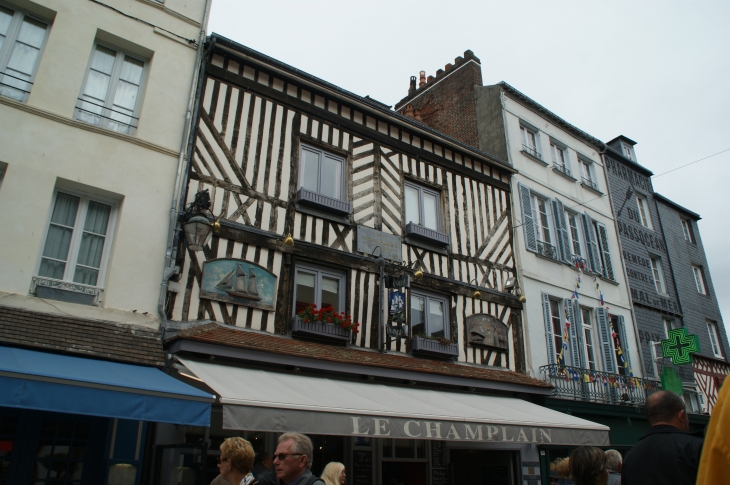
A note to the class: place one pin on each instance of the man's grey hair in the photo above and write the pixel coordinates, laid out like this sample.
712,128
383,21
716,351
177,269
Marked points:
302,444
614,460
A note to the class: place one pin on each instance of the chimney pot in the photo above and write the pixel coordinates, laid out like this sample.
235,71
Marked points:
429,79
412,88
458,60
448,66
440,72
418,115
468,53
409,111
422,79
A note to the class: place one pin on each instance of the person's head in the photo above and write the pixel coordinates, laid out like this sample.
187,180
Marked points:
236,458
293,456
562,467
588,466
667,408
264,458
614,460
334,474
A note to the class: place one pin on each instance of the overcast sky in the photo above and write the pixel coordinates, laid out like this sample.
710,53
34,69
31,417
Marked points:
655,71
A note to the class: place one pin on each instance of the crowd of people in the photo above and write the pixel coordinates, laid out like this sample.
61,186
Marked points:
667,453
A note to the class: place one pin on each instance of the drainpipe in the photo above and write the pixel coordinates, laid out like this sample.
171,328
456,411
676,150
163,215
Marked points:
169,267
602,154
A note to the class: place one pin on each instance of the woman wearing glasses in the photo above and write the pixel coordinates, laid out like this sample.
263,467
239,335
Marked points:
236,461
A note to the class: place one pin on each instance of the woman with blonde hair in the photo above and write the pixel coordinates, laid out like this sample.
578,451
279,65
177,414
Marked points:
236,461
334,474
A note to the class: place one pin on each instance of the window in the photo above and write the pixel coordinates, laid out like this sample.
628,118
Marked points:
21,41
699,279
429,315
658,273
620,346
687,230
323,287
110,97
628,151
540,211
560,158
668,325
423,206
714,339
644,214
586,174
394,448
321,172
556,329
574,234
588,338
529,141
78,239
604,255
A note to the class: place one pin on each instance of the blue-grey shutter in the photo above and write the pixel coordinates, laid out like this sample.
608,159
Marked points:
548,329
528,223
561,229
603,247
621,330
578,325
575,352
593,260
604,331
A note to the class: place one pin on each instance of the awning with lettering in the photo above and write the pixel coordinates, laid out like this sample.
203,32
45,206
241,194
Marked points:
261,400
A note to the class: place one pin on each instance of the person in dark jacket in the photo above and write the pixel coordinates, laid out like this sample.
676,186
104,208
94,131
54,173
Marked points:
667,453
262,469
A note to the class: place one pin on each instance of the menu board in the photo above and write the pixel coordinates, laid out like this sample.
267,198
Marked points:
439,462
362,464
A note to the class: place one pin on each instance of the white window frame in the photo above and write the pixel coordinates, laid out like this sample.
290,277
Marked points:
644,214
73,250
699,276
628,151
714,339
111,90
560,154
421,190
526,133
657,272
321,155
430,296
668,325
687,230
588,340
9,43
557,303
573,234
541,228
318,272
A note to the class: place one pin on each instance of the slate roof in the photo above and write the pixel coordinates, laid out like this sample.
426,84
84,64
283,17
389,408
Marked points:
80,337
218,334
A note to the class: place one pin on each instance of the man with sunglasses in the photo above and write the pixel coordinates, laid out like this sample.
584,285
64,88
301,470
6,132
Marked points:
293,460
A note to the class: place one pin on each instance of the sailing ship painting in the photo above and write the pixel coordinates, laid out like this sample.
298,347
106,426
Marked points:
239,284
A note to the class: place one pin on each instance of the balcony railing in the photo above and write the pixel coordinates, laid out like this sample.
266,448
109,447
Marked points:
547,250
589,183
531,151
595,386
558,167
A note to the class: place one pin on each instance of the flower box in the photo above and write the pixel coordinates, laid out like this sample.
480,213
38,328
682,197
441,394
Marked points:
433,348
428,235
325,332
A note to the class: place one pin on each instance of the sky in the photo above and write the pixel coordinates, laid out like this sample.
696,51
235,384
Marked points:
657,72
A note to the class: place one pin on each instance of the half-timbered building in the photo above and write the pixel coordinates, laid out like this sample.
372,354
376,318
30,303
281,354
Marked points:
335,209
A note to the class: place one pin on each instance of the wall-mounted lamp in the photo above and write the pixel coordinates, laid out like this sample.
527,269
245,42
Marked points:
522,297
288,240
418,273
477,293
380,260
198,222
509,284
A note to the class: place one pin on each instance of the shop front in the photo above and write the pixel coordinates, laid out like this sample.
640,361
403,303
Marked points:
389,433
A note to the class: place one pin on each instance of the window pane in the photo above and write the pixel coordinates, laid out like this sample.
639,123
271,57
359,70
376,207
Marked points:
430,211
6,16
310,170
97,218
97,85
23,59
305,290
436,318
86,276
64,212
125,97
418,315
412,208
544,223
331,293
103,60
58,239
557,331
403,448
331,177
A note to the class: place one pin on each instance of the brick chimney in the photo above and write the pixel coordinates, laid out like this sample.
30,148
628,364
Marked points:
446,102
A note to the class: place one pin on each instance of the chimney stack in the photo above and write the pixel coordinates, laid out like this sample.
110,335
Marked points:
409,111
418,115
422,81
412,88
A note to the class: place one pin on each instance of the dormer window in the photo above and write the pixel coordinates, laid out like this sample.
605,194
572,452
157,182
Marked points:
628,151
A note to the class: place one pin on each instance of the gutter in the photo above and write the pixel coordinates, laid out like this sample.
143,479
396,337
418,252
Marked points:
169,268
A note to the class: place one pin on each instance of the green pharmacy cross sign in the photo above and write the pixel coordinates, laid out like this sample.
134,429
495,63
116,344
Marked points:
680,346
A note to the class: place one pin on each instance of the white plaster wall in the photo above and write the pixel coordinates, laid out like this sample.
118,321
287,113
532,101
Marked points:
538,275
43,147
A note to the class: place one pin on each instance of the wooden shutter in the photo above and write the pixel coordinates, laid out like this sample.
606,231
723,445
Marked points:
528,223
561,229
621,330
575,351
593,260
603,248
578,324
604,331
552,358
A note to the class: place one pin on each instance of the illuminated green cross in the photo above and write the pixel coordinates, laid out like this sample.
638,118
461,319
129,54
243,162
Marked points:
680,346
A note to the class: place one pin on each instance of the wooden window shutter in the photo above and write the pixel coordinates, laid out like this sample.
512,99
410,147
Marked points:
561,229
603,248
604,331
593,260
528,222
552,358
576,332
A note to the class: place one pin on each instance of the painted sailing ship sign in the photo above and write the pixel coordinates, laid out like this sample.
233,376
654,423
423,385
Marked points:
239,282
